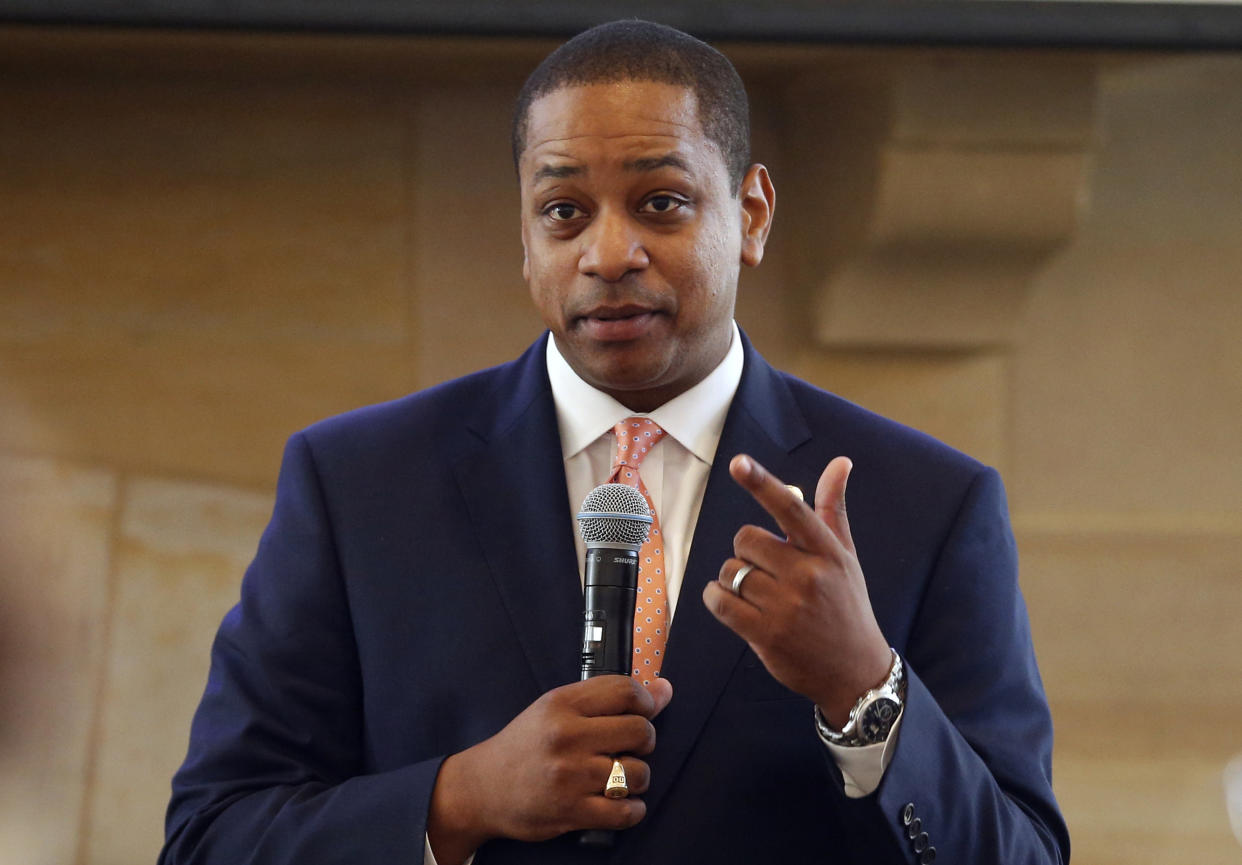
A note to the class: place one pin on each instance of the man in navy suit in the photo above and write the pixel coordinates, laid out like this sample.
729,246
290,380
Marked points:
398,681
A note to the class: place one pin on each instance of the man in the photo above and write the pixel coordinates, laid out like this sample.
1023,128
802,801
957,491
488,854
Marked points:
398,681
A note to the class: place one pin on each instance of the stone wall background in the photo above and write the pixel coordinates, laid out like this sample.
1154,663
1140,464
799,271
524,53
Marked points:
210,241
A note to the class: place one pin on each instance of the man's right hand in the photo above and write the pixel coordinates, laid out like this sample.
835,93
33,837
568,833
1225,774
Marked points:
544,774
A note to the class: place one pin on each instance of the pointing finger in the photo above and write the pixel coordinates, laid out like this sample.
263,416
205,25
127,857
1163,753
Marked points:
799,523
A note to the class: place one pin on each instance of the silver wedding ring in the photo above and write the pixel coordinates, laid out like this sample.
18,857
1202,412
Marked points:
736,586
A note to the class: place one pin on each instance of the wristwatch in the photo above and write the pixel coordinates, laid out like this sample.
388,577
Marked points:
873,715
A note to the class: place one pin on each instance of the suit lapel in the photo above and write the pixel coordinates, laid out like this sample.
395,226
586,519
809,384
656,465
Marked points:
514,486
765,422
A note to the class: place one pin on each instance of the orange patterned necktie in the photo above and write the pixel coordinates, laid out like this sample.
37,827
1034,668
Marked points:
636,436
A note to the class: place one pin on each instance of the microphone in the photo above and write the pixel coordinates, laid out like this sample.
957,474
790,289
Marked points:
614,522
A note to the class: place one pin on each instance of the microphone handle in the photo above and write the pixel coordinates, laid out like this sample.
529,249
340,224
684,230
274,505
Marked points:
611,587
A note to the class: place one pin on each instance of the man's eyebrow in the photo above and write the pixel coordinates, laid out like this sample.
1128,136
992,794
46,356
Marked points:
651,163
557,172
643,163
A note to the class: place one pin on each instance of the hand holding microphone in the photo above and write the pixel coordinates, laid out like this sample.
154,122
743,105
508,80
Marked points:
546,772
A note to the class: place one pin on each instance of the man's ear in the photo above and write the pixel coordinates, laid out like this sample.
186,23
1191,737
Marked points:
758,201
525,256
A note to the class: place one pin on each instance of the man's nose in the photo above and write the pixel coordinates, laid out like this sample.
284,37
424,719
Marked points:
612,247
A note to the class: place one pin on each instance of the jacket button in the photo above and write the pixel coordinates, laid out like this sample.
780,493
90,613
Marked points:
915,827
928,857
921,843
907,814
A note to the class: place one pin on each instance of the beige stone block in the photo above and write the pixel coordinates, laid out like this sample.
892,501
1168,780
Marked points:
953,241
1130,399
266,210
471,305
195,406
1155,811
958,398
1120,616
183,548
193,264
981,99
930,196
1136,728
55,526
836,129
1128,396
1168,171
994,200
1137,637
926,298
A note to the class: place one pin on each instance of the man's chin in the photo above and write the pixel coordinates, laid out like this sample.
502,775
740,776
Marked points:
621,371
615,380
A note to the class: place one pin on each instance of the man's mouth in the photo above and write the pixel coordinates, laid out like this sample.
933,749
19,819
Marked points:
618,312
618,323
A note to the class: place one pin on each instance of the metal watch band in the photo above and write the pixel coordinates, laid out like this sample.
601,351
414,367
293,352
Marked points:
847,735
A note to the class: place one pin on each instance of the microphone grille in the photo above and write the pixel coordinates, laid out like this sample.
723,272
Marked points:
615,514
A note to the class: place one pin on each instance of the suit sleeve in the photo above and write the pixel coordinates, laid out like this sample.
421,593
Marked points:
971,773
275,771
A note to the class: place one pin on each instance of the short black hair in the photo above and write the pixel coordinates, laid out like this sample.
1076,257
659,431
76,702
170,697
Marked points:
634,50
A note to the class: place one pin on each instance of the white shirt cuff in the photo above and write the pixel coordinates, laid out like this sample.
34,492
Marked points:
862,768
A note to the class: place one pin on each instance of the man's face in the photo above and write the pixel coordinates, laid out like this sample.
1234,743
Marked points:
633,236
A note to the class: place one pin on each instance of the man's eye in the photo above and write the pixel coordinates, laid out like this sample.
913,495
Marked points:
662,204
562,212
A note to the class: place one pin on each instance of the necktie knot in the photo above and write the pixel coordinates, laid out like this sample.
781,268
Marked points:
636,436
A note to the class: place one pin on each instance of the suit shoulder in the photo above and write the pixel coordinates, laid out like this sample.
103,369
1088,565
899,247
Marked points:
443,419
883,439
414,409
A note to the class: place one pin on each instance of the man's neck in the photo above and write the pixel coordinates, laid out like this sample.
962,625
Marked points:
693,417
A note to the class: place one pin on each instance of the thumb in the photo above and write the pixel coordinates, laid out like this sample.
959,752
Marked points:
661,691
830,499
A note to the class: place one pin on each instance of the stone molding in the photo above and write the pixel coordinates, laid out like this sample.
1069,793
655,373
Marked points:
935,189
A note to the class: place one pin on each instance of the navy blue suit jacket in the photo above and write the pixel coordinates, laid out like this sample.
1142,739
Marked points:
417,588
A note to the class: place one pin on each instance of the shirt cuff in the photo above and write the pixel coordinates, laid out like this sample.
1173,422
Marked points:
862,768
429,858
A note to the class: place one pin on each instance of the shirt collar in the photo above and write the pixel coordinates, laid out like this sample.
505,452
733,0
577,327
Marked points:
695,418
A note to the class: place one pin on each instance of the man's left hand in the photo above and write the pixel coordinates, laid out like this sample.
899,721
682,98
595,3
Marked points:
804,608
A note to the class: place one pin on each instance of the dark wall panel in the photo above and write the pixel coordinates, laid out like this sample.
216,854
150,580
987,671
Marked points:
985,22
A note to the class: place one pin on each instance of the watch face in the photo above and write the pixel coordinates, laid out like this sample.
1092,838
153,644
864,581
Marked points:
877,718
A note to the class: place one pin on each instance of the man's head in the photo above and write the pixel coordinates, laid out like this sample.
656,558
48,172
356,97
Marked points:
633,223
642,51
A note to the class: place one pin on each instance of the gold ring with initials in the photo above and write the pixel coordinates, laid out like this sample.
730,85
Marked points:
617,788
